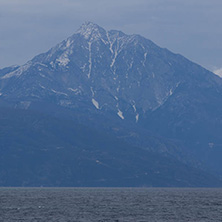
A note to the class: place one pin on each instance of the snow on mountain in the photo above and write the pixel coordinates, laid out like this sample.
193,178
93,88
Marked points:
108,73
113,64
218,72
126,85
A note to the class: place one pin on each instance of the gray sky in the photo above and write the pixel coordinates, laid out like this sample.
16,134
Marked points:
192,28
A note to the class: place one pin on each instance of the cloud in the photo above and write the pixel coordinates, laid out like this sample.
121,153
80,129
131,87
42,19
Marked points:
218,72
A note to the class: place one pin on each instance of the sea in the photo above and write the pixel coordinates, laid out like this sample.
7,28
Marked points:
110,204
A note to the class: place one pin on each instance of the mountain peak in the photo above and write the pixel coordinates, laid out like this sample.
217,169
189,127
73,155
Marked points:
89,24
90,30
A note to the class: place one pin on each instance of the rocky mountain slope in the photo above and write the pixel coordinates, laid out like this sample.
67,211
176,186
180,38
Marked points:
129,88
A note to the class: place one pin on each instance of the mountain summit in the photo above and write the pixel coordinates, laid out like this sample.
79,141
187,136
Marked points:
91,31
126,87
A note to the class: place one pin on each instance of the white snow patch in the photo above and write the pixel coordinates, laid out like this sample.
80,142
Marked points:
105,42
145,55
90,60
177,84
142,46
68,43
110,43
114,72
137,117
34,95
41,64
65,103
162,100
18,71
43,87
95,103
63,59
120,114
0,94
218,72
42,75
93,93
153,74
134,107
85,31
114,58
83,67
52,64
116,98
90,30
60,93
130,65
76,91
14,66
73,90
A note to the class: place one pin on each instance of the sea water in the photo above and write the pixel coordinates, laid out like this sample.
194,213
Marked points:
110,204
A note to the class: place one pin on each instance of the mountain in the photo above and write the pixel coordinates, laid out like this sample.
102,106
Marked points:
126,87
39,150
